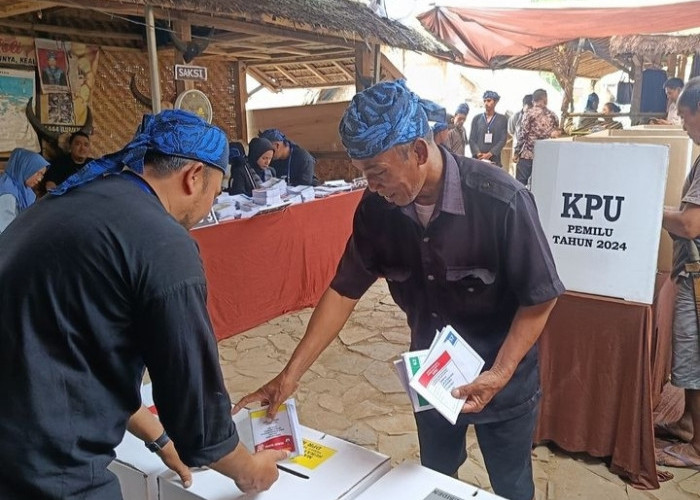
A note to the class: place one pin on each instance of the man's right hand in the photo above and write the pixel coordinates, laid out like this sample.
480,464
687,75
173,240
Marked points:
274,393
251,473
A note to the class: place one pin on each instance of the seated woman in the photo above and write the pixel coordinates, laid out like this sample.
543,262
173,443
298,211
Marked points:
610,108
250,174
24,171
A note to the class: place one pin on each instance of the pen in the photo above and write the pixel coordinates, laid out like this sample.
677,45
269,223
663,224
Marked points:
292,472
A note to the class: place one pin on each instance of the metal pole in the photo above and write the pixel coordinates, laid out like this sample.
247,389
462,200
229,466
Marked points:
152,59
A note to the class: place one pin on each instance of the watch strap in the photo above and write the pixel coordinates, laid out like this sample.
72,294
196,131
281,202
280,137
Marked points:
158,444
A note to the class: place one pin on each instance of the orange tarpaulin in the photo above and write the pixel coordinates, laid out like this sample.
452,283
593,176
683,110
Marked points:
482,35
260,268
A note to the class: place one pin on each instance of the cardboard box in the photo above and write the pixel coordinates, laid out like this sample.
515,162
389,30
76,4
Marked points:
601,207
414,482
331,469
136,467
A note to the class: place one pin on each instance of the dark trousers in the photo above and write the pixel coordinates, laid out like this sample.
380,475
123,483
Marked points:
506,447
523,171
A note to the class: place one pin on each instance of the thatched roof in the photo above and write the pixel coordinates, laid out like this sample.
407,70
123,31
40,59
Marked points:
654,45
284,43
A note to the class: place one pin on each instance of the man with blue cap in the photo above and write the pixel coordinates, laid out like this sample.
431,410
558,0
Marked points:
489,131
289,160
100,280
457,139
459,243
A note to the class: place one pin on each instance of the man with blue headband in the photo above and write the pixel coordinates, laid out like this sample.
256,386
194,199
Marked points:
289,160
489,131
100,280
459,243
457,139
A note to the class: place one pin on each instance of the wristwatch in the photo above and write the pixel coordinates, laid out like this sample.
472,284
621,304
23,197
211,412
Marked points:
158,444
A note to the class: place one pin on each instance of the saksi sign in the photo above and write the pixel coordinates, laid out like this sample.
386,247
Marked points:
195,73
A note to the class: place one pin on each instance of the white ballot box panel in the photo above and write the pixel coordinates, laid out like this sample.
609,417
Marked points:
601,207
411,481
330,469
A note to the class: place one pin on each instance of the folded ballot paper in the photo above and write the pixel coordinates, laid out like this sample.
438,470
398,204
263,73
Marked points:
449,363
281,433
407,365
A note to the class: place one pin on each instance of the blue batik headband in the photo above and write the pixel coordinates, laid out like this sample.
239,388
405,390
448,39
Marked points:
383,116
172,132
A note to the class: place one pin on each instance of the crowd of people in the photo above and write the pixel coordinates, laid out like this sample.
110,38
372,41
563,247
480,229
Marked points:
107,259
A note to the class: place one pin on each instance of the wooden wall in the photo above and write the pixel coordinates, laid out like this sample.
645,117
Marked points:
117,114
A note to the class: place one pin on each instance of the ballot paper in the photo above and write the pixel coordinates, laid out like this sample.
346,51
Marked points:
406,366
450,363
281,433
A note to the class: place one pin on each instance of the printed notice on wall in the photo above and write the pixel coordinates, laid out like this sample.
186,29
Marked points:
601,206
438,494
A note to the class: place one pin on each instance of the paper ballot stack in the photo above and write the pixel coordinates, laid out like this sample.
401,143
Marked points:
432,374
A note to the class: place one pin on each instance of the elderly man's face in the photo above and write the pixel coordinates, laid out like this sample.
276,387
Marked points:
691,122
396,174
459,119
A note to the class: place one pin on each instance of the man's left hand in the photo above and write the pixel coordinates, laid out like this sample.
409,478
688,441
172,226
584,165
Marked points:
171,459
480,392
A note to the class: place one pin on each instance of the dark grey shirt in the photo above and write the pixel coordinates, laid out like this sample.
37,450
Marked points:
498,127
95,285
691,194
298,168
482,256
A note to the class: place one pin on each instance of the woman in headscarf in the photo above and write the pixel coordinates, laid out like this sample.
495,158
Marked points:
250,174
24,170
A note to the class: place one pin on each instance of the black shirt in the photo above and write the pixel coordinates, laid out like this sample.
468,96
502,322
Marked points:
95,284
298,168
62,168
482,256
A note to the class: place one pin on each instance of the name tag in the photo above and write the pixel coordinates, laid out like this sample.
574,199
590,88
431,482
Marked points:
488,138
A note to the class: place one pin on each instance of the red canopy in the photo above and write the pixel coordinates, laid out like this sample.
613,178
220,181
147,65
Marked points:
480,35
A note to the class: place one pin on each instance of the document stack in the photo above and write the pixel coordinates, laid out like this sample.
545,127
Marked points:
306,192
331,187
270,193
429,376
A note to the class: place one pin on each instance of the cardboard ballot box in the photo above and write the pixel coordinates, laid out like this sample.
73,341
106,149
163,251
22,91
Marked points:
601,206
330,469
136,467
414,482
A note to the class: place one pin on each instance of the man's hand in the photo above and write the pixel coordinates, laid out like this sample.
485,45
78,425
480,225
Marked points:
274,393
252,473
515,158
171,459
481,391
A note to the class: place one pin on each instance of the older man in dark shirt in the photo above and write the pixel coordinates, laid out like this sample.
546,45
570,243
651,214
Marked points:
459,243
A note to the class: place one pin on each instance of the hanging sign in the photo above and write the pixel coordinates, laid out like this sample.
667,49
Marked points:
194,73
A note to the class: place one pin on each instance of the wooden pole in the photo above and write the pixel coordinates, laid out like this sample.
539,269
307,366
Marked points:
637,73
183,31
363,67
152,59
241,97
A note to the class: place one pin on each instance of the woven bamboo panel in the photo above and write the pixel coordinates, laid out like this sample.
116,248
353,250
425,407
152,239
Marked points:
117,113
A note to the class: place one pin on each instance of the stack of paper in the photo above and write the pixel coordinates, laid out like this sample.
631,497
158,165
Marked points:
270,192
432,374
306,192
330,187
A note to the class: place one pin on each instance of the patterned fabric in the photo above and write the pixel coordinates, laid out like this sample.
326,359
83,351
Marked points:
490,94
383,116
273,135
21,165
439,127
538,123
462,109
172,132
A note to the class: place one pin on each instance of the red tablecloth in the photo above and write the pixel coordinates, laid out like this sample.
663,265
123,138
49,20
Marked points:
266,266
603,364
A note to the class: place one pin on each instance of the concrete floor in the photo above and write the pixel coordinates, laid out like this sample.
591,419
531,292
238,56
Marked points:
352,392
